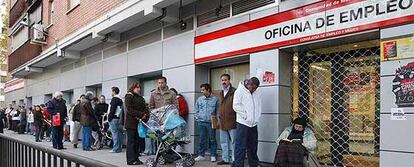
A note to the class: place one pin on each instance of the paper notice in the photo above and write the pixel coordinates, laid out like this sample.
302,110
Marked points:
397,114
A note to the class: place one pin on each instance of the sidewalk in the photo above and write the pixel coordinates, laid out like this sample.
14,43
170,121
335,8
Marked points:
118,159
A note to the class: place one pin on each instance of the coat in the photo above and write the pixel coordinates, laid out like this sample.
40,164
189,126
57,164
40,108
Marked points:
247,106
135,109
87,114
161,98
54,107
227,115
38,118
309,139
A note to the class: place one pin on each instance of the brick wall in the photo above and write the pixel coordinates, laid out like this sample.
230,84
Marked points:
65,23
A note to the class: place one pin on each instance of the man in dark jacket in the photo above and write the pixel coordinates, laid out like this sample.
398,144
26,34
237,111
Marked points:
57,109
75,126
100,109
227,120
87,120
136,109
115,118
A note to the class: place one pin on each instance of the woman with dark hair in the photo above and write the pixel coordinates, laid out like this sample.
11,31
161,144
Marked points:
135,110
38,121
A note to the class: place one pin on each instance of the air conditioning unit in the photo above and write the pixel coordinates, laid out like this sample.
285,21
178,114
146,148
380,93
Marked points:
38,34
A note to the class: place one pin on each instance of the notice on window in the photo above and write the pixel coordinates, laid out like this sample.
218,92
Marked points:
397,49
397,114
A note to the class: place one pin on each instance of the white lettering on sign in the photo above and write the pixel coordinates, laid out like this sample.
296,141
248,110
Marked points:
316,21
13,85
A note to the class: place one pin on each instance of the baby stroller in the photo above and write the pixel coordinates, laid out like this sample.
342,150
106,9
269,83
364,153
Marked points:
167,128
106,139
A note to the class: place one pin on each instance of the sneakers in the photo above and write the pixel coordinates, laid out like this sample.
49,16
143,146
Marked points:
213,159
200,158
75,145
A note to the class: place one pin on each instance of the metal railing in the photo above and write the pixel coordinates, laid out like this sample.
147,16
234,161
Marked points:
18,153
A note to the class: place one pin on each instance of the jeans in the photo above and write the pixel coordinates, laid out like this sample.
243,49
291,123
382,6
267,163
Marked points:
150,146
75,129
227,141
245,140
37,132
86,137
57,136
205,129
116,135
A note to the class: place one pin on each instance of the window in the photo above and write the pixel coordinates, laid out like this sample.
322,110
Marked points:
72,4
51,8
237,73
147,85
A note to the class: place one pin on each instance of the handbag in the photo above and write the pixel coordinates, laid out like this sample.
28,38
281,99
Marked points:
56,120
142,131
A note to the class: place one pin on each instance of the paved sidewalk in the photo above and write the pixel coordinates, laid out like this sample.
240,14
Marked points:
118,159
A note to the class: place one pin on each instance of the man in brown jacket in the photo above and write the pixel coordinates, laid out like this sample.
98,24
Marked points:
162,95
227,120
87,120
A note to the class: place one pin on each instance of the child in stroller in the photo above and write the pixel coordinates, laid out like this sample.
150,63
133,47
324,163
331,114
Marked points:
167,128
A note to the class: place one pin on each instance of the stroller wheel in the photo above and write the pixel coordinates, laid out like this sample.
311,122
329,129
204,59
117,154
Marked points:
161,160
150,162
189,160
181,163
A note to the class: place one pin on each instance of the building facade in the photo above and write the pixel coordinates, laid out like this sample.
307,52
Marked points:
345,64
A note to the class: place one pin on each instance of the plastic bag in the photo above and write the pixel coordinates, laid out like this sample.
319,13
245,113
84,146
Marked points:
56,120
142,130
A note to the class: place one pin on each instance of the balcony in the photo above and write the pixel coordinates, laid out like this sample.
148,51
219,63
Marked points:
17,11
23,54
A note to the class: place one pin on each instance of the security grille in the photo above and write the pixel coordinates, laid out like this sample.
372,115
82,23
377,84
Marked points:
339,93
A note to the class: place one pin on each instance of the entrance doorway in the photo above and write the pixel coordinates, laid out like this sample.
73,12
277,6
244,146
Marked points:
337,89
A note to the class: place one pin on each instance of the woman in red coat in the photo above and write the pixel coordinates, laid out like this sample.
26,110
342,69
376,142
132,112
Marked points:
182,104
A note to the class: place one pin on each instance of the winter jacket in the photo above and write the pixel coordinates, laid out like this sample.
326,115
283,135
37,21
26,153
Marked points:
227,114
309,139
38,118
182,106
247,106
135,109
161,98
54,107
116,102
87,114
205,107
101,109
76,113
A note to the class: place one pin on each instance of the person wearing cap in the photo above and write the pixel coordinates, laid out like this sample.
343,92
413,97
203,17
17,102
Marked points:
299,131
248,107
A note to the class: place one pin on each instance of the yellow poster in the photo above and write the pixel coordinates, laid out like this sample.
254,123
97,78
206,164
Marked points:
397,49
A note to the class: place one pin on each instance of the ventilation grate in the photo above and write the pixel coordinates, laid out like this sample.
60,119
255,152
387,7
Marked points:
211,16
247,5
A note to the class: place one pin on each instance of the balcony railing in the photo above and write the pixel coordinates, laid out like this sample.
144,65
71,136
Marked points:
23,54
17,11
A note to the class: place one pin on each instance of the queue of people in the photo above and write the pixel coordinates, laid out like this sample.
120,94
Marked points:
234,113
